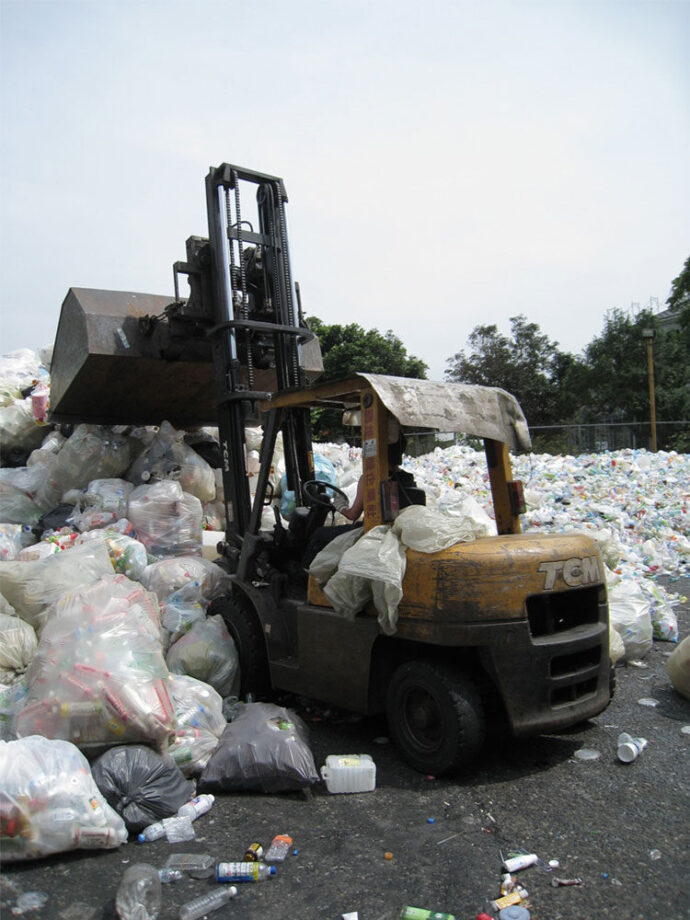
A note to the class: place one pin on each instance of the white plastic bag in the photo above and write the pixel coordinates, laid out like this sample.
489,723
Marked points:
31,587
325,563
678,665
167,519
12,698
208,653
629,614
91,452
429,531
168,457
18,645
99,678
200,722
193,578
374,569
104,501
49,802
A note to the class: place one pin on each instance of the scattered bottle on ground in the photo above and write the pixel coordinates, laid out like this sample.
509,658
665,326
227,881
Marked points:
420,913
244,872
630,748
176,829
254,852
206,903
198,806
139,893
195,865
278,849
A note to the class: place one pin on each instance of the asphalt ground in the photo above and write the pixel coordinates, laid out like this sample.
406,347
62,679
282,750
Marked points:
624,830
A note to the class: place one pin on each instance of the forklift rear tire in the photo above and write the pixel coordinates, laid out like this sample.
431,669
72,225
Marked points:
435,717
243,625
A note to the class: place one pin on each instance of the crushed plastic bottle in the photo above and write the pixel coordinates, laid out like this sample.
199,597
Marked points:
195,865
139,893
278,850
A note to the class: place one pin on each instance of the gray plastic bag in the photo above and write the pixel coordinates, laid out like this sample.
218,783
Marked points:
141,785
265,749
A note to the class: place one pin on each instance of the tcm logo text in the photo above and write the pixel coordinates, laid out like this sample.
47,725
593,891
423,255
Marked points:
574,572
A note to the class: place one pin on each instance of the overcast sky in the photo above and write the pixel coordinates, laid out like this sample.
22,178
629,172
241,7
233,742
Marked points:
448,163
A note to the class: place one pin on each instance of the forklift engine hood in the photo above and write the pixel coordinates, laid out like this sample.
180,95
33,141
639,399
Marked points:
484,412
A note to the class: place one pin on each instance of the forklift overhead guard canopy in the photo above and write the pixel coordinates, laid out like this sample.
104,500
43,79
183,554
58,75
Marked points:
480,411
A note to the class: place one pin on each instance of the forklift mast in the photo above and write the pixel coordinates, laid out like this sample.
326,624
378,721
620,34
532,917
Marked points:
256,323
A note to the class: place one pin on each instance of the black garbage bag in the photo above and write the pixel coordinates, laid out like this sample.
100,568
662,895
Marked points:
265,749
140,784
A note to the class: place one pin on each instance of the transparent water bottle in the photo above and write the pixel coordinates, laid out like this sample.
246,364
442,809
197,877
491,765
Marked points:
139,893
198,806
206,903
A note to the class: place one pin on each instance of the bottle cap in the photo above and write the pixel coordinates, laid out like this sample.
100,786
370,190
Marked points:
627,751
272,870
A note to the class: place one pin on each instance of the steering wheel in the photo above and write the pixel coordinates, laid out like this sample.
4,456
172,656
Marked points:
313,491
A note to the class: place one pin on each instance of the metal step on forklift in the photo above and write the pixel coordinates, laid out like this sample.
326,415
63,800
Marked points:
508,631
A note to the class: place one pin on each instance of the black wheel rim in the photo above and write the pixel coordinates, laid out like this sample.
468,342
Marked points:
421,720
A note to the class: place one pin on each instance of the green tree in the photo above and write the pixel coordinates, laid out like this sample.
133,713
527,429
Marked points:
527,364
611,383
680,288
351,348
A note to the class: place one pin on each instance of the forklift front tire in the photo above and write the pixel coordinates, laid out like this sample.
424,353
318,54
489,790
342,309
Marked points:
243,625
435,717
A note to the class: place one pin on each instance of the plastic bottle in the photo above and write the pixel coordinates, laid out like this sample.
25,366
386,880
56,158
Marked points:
244,872
206,903
520,862
152,832
139,893
420,913
170,875
196,807
278,849
176,829
630,748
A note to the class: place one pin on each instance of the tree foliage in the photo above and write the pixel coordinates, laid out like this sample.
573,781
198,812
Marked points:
526,364
609,383
680,288
351,348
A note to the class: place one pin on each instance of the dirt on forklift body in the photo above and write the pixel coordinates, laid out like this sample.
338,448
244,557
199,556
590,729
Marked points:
511,628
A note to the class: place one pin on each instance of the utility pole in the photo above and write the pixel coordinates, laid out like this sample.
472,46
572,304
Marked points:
648,335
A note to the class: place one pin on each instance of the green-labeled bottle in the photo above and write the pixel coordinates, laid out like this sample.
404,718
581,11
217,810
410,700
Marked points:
420,913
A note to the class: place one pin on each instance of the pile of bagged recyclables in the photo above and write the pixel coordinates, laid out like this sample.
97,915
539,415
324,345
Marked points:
107,651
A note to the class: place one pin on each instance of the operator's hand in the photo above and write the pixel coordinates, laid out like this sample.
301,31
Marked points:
340,503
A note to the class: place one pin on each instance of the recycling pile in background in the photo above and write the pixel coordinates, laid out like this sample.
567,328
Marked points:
106,642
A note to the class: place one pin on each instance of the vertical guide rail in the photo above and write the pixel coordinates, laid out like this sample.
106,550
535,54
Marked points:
231,410
299,464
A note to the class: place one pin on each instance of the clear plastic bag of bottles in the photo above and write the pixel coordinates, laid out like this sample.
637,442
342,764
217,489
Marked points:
208,653
99,677
167,519
49,802
200,723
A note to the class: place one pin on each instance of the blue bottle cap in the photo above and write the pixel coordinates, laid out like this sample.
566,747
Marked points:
272,870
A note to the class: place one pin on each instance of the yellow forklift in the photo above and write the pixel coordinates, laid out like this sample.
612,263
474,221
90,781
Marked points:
508,630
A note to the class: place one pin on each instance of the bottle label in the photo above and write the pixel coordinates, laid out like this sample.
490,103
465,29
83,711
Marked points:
237,872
